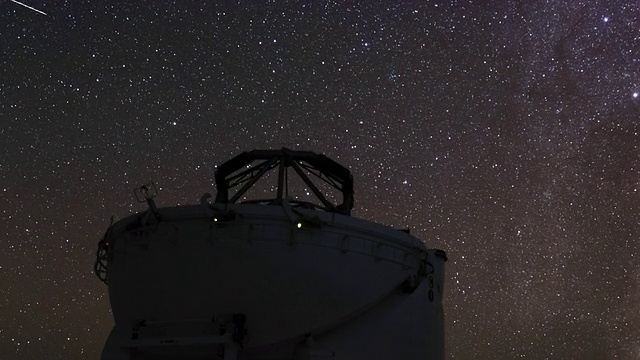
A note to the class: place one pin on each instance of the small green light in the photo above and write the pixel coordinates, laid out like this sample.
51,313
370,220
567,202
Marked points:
299,225
215,219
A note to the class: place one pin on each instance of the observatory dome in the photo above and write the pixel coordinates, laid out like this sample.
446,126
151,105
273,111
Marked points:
270,278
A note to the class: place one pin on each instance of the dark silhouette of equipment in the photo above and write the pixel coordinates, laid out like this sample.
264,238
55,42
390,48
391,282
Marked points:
278,277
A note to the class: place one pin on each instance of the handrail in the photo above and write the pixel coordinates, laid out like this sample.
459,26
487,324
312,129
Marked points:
102,255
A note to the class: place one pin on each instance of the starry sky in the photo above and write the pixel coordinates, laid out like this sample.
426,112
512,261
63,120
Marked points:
504,132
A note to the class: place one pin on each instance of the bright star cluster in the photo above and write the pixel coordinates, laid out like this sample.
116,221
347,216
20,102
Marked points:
504,132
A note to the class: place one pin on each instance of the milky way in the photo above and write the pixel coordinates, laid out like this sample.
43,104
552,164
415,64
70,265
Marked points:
505,133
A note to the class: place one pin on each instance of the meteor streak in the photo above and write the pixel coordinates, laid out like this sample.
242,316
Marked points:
29,7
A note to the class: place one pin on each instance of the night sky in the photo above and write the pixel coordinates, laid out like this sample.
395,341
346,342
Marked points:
504,132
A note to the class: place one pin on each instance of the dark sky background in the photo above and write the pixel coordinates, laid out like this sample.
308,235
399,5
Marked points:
504,132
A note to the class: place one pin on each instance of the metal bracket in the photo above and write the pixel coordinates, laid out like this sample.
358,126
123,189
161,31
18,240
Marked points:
146,193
